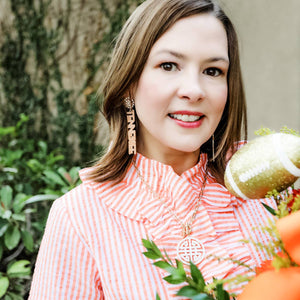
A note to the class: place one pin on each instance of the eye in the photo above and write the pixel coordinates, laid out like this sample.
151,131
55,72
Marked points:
213,72
168,66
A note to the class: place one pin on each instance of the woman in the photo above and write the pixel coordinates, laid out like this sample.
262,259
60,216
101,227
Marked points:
175,70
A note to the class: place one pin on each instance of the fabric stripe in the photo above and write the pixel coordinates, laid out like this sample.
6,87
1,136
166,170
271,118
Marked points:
92,246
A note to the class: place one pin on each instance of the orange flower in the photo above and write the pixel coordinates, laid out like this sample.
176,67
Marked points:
283,283
274,285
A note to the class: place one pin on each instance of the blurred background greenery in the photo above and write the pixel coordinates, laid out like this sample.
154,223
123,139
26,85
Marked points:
53,54
52,57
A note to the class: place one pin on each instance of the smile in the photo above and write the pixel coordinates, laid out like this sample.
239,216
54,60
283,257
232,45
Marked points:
185,117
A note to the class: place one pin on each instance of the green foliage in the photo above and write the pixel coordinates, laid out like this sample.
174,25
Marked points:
195,287
266,131
39,116
33,59
30,178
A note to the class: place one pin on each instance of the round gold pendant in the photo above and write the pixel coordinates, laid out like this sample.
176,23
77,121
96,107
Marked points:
190,249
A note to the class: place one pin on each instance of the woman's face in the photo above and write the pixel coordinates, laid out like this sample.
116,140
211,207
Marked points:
182,91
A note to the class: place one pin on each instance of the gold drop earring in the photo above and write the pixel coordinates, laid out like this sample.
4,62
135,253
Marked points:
129,104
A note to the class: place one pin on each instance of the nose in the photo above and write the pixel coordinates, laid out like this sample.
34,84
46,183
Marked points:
191,88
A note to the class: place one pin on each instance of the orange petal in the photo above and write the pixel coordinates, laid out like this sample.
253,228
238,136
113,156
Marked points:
289,230
274,285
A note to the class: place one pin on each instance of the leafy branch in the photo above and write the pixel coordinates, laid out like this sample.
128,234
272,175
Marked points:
195,288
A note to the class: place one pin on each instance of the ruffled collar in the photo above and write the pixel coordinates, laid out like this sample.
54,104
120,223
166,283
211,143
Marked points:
133,198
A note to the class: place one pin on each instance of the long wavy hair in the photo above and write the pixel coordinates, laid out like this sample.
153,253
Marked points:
144,27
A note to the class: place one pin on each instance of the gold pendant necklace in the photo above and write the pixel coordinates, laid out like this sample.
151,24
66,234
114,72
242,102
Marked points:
189,249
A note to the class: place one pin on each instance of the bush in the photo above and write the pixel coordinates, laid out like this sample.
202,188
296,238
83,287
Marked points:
31,178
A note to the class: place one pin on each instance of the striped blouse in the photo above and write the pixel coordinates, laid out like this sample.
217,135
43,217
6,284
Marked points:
92,246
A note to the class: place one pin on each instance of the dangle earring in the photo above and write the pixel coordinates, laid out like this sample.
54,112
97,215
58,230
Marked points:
213,147
129,104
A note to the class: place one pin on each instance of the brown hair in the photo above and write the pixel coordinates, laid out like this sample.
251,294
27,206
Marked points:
144,27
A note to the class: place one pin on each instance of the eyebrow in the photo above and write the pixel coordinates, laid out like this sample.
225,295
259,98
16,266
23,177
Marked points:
181,56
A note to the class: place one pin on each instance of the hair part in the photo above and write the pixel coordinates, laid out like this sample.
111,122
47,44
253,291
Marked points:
133,45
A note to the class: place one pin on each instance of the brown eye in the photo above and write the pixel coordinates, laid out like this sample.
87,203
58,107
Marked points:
168,66
213,72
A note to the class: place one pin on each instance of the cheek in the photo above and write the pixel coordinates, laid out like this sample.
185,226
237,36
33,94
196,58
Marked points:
220,97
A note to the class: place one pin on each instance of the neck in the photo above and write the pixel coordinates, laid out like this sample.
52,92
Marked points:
179,161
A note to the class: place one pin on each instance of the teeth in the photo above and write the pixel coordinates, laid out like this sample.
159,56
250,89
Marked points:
185,118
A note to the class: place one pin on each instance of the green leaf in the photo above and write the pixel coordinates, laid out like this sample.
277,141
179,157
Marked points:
167,256
19,217
19,269
178,272
187,291
19,202
38,198
54,177
202,296
43,147
74,173
163,265
153,251
12,237
3,226
6,193
156,250
197,276
62,172
170,279
5,214
27,240
221,293
150,254
7,130
4,283
147,243
157,297
13,296
35,165
269,209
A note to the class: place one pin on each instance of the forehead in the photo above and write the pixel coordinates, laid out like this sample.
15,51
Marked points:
200,31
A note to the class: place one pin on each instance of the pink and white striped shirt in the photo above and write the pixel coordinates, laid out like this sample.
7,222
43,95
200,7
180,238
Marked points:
92,246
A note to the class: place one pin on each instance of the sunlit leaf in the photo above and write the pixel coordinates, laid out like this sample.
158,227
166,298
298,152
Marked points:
54,177
19,202
19,269
4,283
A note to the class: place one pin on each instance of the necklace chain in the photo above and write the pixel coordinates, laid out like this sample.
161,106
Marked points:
186,227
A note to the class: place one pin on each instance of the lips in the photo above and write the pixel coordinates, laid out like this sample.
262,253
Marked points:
187,119
186,116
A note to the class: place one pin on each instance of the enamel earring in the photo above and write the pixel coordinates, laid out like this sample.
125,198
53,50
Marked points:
129,104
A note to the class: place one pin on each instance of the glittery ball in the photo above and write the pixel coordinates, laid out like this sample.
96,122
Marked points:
264,164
